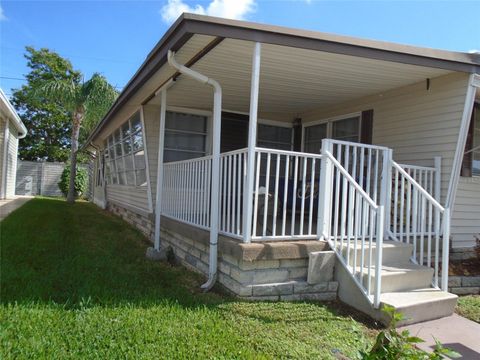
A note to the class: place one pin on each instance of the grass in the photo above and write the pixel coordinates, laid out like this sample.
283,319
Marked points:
469,307
75,284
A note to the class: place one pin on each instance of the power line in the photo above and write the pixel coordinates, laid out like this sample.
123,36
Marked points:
79,56
24,79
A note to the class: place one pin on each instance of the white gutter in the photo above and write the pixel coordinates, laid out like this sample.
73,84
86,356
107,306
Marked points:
473,84
12,115
215,187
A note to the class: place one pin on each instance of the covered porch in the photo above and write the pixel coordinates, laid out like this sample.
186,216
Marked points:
262,166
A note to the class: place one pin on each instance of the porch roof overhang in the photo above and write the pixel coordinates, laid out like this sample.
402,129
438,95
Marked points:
316,67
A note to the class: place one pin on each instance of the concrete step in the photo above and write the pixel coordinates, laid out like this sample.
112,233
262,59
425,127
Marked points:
420,304
401,276
393,251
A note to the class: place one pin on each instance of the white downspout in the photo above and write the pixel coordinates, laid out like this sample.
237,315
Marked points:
215,187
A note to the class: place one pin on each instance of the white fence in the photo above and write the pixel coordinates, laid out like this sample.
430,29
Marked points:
42,178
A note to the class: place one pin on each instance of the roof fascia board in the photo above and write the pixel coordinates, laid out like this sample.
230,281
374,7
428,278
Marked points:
296,41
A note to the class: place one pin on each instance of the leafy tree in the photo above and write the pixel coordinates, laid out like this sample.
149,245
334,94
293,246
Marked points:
48,123
85,101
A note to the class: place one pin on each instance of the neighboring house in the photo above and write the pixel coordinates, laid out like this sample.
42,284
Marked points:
11,130
273,145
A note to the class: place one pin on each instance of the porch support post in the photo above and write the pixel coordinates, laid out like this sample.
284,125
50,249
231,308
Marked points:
252,139
325,192
386,189
438,177
473,85
158,198
445,248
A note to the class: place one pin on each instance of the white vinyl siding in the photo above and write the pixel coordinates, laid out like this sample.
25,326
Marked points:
466,214
419,124
134,198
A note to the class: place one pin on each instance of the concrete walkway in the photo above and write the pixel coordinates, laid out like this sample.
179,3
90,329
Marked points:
9,205
454,332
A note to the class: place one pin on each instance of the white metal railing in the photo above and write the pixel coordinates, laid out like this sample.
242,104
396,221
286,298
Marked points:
427,177
354,222
285,200
233,166
186,191
419,219
363,162
351,195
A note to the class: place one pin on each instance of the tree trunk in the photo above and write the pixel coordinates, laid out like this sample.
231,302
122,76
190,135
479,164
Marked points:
77,119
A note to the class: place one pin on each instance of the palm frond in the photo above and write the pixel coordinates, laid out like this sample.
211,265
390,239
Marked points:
66,92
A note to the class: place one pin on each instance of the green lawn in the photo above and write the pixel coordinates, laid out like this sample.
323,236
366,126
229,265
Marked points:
75,284
469,307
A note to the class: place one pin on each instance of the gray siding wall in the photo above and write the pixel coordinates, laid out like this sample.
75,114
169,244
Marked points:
134,198
419,124
466,213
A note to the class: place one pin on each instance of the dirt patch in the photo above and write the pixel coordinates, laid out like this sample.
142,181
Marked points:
470,267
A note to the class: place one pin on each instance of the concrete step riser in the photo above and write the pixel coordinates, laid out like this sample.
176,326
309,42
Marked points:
389,254
402,281
429,311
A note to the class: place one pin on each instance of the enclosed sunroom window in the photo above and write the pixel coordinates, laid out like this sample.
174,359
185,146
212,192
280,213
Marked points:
125,162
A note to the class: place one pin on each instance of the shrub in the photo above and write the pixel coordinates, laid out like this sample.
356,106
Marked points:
81,181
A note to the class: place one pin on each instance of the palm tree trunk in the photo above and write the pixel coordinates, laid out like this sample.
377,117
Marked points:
73,156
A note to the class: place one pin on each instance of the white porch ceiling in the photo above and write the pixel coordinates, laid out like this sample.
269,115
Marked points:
292,81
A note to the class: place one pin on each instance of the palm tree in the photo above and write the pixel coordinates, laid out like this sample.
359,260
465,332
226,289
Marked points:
87,102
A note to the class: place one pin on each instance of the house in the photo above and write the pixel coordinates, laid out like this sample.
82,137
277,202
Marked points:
11,130
289,164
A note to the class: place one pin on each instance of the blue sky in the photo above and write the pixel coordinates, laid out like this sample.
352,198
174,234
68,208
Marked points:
113,37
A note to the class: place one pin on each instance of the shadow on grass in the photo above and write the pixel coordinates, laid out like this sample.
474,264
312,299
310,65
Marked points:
80,256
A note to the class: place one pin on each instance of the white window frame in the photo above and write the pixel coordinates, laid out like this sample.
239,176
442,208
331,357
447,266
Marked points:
329,121
198,112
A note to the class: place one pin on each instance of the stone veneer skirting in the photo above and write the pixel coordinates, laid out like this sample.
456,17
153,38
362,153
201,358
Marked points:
256,271
464,285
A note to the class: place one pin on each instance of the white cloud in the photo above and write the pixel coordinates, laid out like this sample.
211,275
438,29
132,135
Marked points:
232,9
474,51
2,14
